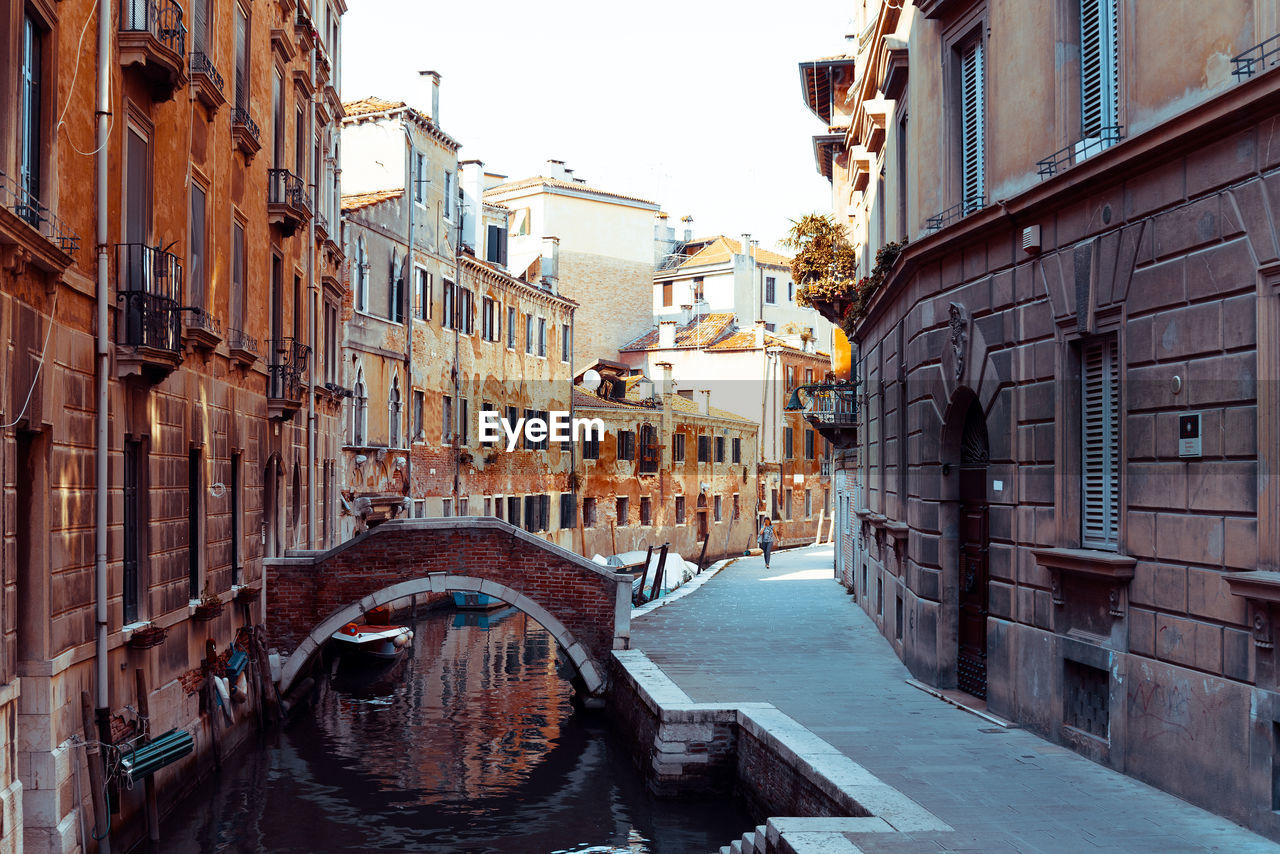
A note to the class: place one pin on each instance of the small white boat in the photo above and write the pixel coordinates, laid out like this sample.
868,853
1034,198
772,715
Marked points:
384,642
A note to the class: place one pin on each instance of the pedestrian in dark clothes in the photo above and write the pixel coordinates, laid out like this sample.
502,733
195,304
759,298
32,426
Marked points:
766,540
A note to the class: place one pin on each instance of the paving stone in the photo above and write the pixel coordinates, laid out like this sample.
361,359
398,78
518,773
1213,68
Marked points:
798,641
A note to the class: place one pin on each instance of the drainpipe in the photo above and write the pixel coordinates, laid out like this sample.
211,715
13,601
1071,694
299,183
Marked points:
573,446
311,313
406,305
457,351
102,695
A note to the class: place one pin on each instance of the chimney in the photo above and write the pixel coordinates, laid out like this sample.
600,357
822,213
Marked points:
666,334
760,333
556,169
688,228
686,313
704,402
668,385
433,80
746,244
551,262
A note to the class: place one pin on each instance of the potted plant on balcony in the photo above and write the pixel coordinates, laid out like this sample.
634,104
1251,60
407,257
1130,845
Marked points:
210,605
825,267
148,636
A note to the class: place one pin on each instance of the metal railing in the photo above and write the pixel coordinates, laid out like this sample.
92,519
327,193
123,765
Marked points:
827,404
1065,158
286,188
240,118
149,284
956,212
1260,57
673,260
201,64
198,318
29,209
288,364
161,18
238,339
826,467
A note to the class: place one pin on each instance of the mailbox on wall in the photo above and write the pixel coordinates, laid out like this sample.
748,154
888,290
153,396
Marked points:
1189,435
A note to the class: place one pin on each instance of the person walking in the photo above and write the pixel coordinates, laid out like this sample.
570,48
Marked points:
766,540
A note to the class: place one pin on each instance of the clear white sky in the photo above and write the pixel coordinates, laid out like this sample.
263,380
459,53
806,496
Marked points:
694,105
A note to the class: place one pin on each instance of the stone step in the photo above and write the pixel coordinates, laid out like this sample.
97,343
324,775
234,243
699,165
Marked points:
724,849
762,839
749,843
735,847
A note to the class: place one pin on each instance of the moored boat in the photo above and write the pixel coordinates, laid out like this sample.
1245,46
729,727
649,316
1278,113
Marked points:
383,642
467,601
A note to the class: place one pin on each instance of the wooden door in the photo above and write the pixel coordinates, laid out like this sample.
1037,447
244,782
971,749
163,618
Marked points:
971,664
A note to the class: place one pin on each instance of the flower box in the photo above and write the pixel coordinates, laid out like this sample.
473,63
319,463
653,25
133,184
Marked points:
147,637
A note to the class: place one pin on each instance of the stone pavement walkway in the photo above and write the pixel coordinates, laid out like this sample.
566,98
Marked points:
792,637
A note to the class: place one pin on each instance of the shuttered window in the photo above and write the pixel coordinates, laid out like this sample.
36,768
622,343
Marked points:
242,60
29,117
972,126
1099,67
1100,445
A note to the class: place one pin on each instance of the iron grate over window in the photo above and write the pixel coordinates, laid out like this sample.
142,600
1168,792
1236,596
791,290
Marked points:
1085,699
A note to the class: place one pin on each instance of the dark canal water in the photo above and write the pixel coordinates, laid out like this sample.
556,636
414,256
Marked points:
468,745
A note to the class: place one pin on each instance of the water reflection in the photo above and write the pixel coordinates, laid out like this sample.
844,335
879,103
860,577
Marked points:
468,744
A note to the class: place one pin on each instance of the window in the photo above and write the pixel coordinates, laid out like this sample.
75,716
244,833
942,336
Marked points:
489,319
717,508
542,336
568,510
626,444
650,455
135,504
330,343
791,291
195,489
679,509
446,507
532,444
495,251
486,406
237,505
466,312
1099,76
362,275
395,291
513,510
789,443
242,61
419,404
704,449
677,448
511,328
902,177
770,287
791,377
808,375
531,520
646,511
464,423
277,120
528,333
737,450
448,195
198,247
1100,445
419,177
809,451
499,507
565,342
589,512
719,449
488,506
698,290
737,506
786,507
446,419
423,294
393,415
666,294
236,306
591,445
359,412
447,307
808,503
972,126
623,510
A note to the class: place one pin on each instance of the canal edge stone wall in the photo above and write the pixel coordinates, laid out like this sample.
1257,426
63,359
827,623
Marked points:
782,769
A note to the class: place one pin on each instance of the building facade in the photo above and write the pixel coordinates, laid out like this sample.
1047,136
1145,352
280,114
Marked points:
158,291
1061,498
751,373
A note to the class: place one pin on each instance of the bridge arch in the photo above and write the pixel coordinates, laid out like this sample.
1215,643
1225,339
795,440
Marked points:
585,606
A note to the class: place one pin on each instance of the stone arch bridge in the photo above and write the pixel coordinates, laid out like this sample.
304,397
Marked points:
585,606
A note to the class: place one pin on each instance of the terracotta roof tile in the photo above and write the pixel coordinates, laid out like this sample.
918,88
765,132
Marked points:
586,400
700,332
366,106
721,249
357,201
556,183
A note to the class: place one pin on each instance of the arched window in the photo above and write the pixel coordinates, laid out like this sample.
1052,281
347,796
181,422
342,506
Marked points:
359,411
393,414
362,275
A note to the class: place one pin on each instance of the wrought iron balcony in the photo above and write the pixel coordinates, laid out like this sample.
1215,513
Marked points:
288,204
1258,58
201,329
243,347
149,326
59,246
153,37
832,409
244,131
207,81
1080,151
285,386
955,213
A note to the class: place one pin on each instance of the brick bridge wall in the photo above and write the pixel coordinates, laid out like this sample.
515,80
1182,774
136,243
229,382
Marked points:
585,606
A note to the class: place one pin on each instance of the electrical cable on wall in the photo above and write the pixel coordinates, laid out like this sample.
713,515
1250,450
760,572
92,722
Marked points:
72,91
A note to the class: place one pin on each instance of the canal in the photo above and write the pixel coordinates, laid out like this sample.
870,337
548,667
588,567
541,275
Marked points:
470,744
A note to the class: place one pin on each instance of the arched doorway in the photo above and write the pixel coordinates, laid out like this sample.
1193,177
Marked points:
971,658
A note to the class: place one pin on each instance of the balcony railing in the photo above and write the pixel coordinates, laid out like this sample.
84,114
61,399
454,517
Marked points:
149,288
243,346
956,212
1258,58
201,328
153,36
1078,152
288,204
285,375
244,130
206,80
28,208
832,409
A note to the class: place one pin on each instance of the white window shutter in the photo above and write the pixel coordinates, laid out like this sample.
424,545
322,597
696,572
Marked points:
1100,445
972,121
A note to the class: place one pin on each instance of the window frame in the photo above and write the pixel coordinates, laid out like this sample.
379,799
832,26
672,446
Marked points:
1109,415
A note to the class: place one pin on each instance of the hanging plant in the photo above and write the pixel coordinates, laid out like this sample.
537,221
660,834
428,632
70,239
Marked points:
825,267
